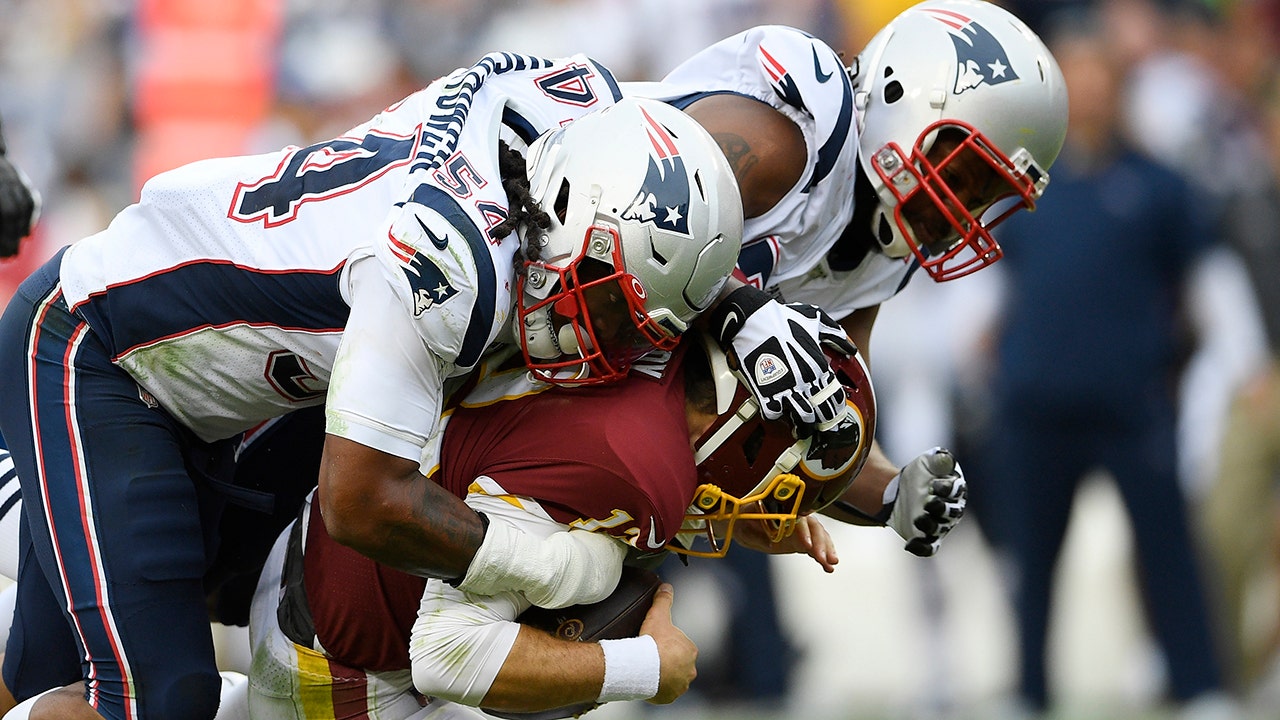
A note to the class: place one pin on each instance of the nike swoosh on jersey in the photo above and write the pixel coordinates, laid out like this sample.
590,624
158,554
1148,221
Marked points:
654,542
817,67
440,242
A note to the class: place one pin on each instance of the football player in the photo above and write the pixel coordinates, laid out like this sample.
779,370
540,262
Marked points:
332,638
361,273
677,451
19,204
854,178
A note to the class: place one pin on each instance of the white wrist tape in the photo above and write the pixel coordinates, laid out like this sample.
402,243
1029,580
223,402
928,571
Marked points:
494,562
632,669
563,569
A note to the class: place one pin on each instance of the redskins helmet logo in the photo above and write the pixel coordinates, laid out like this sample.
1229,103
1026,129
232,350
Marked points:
826,463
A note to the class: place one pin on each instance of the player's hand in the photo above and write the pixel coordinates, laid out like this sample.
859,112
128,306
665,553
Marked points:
931,497
677,653
19,207
809,538
779,349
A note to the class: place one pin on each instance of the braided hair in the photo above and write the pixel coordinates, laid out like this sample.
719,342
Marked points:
524,207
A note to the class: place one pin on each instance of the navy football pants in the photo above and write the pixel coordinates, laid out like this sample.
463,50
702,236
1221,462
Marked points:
110,587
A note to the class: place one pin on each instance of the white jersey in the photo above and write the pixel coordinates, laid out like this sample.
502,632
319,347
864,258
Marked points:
786,248
225,291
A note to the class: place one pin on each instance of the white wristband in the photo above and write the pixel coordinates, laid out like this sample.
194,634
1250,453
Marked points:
632,669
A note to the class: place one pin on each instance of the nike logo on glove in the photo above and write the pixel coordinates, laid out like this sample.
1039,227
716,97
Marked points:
817,67
731,320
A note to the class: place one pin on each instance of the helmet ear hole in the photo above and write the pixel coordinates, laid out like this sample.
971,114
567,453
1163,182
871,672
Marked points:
657,254
893,92
884,231
561,206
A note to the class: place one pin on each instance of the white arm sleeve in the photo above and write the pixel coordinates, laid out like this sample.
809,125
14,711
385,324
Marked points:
551,569
460,640
386,390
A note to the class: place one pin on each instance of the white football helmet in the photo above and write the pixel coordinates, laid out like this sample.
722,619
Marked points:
968,72
644,209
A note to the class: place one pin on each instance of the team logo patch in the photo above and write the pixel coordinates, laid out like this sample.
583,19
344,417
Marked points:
663,199
427,283
981,59
783,83
769,369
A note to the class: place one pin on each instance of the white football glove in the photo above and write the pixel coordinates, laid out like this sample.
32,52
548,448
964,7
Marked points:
928,497
779,351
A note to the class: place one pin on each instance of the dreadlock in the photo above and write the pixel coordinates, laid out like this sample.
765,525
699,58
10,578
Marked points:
524,207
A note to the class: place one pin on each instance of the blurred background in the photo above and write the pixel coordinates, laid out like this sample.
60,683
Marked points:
98,95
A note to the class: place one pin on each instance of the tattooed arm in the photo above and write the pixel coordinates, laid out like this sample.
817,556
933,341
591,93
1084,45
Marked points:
765,148
381,506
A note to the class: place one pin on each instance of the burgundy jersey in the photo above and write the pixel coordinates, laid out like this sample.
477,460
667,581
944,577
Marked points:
362,611
613,458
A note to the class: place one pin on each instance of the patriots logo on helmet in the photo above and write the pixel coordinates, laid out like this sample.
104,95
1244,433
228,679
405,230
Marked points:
980,58
664,197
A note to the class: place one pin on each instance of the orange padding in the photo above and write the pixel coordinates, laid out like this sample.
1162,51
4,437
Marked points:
205,79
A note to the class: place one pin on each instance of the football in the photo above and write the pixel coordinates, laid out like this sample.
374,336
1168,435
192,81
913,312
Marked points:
618,616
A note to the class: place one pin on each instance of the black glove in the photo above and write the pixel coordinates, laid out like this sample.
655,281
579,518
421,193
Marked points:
779,350
19,205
